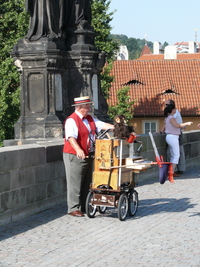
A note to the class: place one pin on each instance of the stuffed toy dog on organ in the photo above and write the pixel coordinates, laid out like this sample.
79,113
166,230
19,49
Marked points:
122,130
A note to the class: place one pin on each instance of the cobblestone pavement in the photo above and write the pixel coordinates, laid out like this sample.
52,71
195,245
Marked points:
164,232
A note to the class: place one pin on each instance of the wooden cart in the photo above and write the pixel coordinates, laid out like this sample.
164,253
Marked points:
115,169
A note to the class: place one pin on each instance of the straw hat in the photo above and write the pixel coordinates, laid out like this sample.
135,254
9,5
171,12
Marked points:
82,100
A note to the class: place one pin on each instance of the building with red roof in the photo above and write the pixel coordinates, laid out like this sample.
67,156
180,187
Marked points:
152,80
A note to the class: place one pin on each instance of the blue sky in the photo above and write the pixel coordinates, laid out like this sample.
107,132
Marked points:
171,20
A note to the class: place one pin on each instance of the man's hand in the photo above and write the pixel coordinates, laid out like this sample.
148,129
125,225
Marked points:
80,154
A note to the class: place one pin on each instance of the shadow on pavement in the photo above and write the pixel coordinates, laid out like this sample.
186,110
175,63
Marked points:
153,206
149,207
23,225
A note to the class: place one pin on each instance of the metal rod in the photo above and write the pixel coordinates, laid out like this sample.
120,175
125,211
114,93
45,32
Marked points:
124,166
120,163
154,146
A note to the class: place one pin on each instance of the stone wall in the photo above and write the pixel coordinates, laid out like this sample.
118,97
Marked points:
32,179
32,176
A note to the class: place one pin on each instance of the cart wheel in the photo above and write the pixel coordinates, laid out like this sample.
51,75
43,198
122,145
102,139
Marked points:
102,209
89,207
122,207
132,203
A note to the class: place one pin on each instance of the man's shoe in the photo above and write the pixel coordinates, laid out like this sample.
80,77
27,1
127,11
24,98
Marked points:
76,213
179,172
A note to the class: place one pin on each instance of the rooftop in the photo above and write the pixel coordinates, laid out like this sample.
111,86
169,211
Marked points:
152,80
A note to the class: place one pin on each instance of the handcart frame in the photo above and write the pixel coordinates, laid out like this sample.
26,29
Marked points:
115,176
113,182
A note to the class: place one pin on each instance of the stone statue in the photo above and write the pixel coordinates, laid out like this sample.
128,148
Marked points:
51,18
79,13
47,18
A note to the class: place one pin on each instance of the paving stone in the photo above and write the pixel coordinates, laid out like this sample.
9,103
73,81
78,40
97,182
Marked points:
165,232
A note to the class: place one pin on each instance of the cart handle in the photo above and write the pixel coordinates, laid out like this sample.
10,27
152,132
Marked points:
124,166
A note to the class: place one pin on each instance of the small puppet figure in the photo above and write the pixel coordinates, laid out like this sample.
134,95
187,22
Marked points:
122,130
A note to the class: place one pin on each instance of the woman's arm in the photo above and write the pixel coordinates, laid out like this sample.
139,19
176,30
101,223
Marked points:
181,125
162,131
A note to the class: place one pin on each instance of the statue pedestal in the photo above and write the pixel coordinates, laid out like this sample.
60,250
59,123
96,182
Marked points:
53,73
41,88
80,40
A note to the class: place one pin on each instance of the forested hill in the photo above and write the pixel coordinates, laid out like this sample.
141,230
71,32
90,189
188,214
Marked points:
134,45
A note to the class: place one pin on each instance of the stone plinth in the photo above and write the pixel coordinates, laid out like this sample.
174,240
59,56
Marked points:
42,107
51,77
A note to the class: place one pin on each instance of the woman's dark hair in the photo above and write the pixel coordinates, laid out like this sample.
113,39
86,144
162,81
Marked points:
171,102
168,109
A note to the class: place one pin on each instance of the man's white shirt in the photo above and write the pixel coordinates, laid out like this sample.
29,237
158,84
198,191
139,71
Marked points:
71,129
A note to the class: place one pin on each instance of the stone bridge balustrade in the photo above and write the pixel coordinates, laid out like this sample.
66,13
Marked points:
32,176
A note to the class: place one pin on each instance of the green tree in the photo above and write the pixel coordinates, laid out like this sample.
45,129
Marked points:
121,38
13,26
124,105
164,45
101,22
134,45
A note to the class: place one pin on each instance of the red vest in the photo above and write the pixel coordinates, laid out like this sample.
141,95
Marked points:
83,134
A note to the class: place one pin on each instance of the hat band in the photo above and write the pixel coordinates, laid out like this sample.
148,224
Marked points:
82,101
